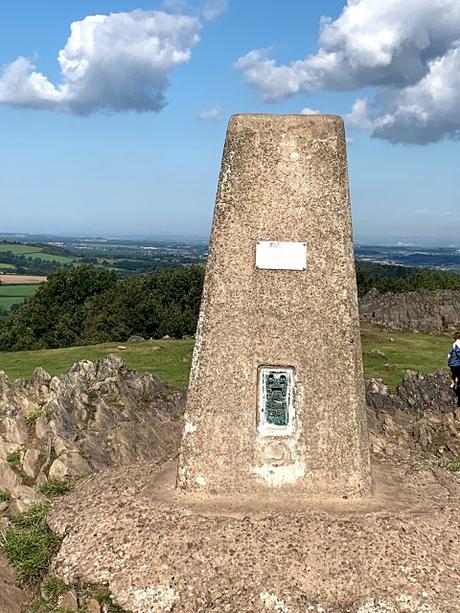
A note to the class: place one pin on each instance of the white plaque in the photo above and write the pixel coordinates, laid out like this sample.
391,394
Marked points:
281,256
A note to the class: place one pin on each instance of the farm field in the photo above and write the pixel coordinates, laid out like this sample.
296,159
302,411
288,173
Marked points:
4,266
15,294
19,249
171,359
21,279
48,257
35,252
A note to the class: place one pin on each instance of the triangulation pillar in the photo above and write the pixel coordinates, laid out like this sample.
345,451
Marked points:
276,400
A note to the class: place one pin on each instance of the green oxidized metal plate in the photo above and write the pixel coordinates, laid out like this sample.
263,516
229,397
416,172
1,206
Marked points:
276,397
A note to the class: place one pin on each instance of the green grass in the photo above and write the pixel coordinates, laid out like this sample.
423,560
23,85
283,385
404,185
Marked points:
52,590
15,293
171,361
48,257
8,302
55,487
19,249
4,266
5,496
13,459
408,350
18,289
30,544
35,252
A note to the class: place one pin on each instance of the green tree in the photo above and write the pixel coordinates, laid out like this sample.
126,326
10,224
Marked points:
54,315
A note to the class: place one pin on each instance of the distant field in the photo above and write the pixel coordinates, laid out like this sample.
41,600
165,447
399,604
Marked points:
20,249
36,253
15,294
4,266
170,359
21,279
48,257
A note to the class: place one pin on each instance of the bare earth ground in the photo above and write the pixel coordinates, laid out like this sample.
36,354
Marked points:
20,279
160,551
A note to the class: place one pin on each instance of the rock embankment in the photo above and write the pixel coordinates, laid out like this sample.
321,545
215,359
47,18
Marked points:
424,311
95,416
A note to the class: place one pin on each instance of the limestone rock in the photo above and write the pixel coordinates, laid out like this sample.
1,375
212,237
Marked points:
93,606
25,497
94,416
69,601
69,465
9,480
31,462
424,311
12,598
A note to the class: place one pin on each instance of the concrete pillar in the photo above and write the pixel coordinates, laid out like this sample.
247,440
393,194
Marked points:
276,400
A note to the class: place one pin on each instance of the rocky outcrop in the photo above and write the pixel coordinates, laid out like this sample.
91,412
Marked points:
56,429
423,311
160,552
421,417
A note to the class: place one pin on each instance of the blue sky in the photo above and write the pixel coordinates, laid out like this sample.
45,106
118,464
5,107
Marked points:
79,160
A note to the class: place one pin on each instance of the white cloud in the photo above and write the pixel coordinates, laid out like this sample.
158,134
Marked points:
359,115
115,62
212,114
206,9
406,50
308,111
214,8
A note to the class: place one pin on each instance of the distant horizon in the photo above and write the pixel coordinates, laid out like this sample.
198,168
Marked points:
392,241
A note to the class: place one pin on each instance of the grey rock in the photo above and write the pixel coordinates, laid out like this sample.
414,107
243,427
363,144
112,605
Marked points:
31,462
93,417
69,465
135,339
69,601
9,480
25,497
424,311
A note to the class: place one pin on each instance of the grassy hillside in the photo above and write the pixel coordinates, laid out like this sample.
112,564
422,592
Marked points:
15,294
403,350
170,359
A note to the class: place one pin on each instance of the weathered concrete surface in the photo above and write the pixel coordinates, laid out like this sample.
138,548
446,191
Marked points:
283,178
424,311
394,553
